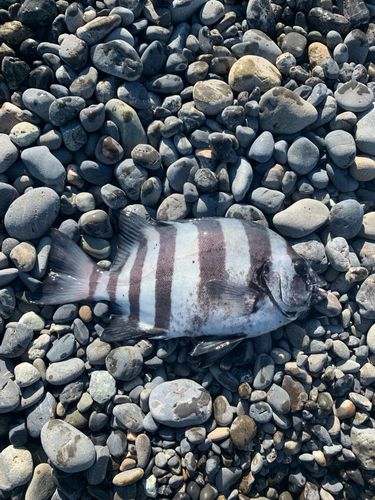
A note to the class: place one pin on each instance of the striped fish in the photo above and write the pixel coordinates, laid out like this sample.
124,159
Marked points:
224,278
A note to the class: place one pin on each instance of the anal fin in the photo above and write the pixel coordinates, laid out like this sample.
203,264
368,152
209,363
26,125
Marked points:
210,351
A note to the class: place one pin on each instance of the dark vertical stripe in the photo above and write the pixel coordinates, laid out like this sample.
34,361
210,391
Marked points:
135,280
212,253
164,277
93,281
116,269
258,239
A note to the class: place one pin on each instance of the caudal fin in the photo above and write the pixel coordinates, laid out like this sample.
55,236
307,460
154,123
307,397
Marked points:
70,273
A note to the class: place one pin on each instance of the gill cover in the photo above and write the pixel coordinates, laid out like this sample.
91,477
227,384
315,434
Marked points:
291,283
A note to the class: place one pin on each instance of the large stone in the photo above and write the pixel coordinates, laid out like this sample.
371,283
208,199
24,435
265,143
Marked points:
180,403
253,71
365,131
117,58
212,96
282,111
68,449
32,214
131,130
363,446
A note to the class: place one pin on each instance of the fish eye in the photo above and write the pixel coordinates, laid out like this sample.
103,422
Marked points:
301,268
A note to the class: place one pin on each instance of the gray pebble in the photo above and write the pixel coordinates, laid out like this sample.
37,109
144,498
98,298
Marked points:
64,372
302,155
43,165
130,415
264,368
57,439
124,363
167,401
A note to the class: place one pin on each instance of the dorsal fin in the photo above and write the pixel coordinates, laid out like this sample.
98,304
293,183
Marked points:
131,228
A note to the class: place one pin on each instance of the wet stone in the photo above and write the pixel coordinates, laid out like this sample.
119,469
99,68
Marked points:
108,151
180,403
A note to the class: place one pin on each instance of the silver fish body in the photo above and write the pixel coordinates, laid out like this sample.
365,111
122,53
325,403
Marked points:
226,278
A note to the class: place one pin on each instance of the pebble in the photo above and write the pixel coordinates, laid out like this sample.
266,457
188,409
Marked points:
354,96
302,155
253,71
66,447
282,111
302,218
17,467
124,363
130,415
102,386
64,372
212,96
180,403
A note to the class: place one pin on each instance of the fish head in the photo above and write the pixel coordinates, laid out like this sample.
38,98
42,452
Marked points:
292,284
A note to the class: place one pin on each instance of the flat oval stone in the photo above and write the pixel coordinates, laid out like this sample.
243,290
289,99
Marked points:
260,45
43,165
96,30
65,371
354,96
212,96
253,71
130,415
124,363
180,403
32,214
282,111
117,58
302,218
68,449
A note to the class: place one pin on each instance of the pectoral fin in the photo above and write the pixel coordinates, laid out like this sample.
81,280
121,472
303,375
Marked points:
229,295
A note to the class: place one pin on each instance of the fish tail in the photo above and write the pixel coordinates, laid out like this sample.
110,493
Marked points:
71,273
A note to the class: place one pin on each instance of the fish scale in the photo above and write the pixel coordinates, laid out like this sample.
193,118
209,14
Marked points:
203,278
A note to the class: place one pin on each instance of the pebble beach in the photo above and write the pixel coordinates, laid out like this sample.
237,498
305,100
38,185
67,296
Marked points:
261,110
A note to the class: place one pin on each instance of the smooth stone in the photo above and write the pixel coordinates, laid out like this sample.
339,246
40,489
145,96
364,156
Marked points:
74,52
345,218
8,194
253,71
262,148
16,465
269,201
282,111
363,168
180,403
8,152
131,129
302,218
102,386
32,214
278,399
212,204
242,431
41,485
131,178
24,134
364,131
134,94
354,96
341,147
124,363
182,10
62,348
260,45
264,368
226,477
68,449
9,395
64,372
26,374
128,477
43,165
173,207
96,30
212,96
130,415
38,101
16,340
117,58
302,155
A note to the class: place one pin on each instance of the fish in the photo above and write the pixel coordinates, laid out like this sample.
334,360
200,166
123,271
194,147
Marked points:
215,280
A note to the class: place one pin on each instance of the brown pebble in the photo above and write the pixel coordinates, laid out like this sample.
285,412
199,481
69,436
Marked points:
128,477
73,176
108,150
127,464
296,391
244,390
85,313
330,307
344,408
310,492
